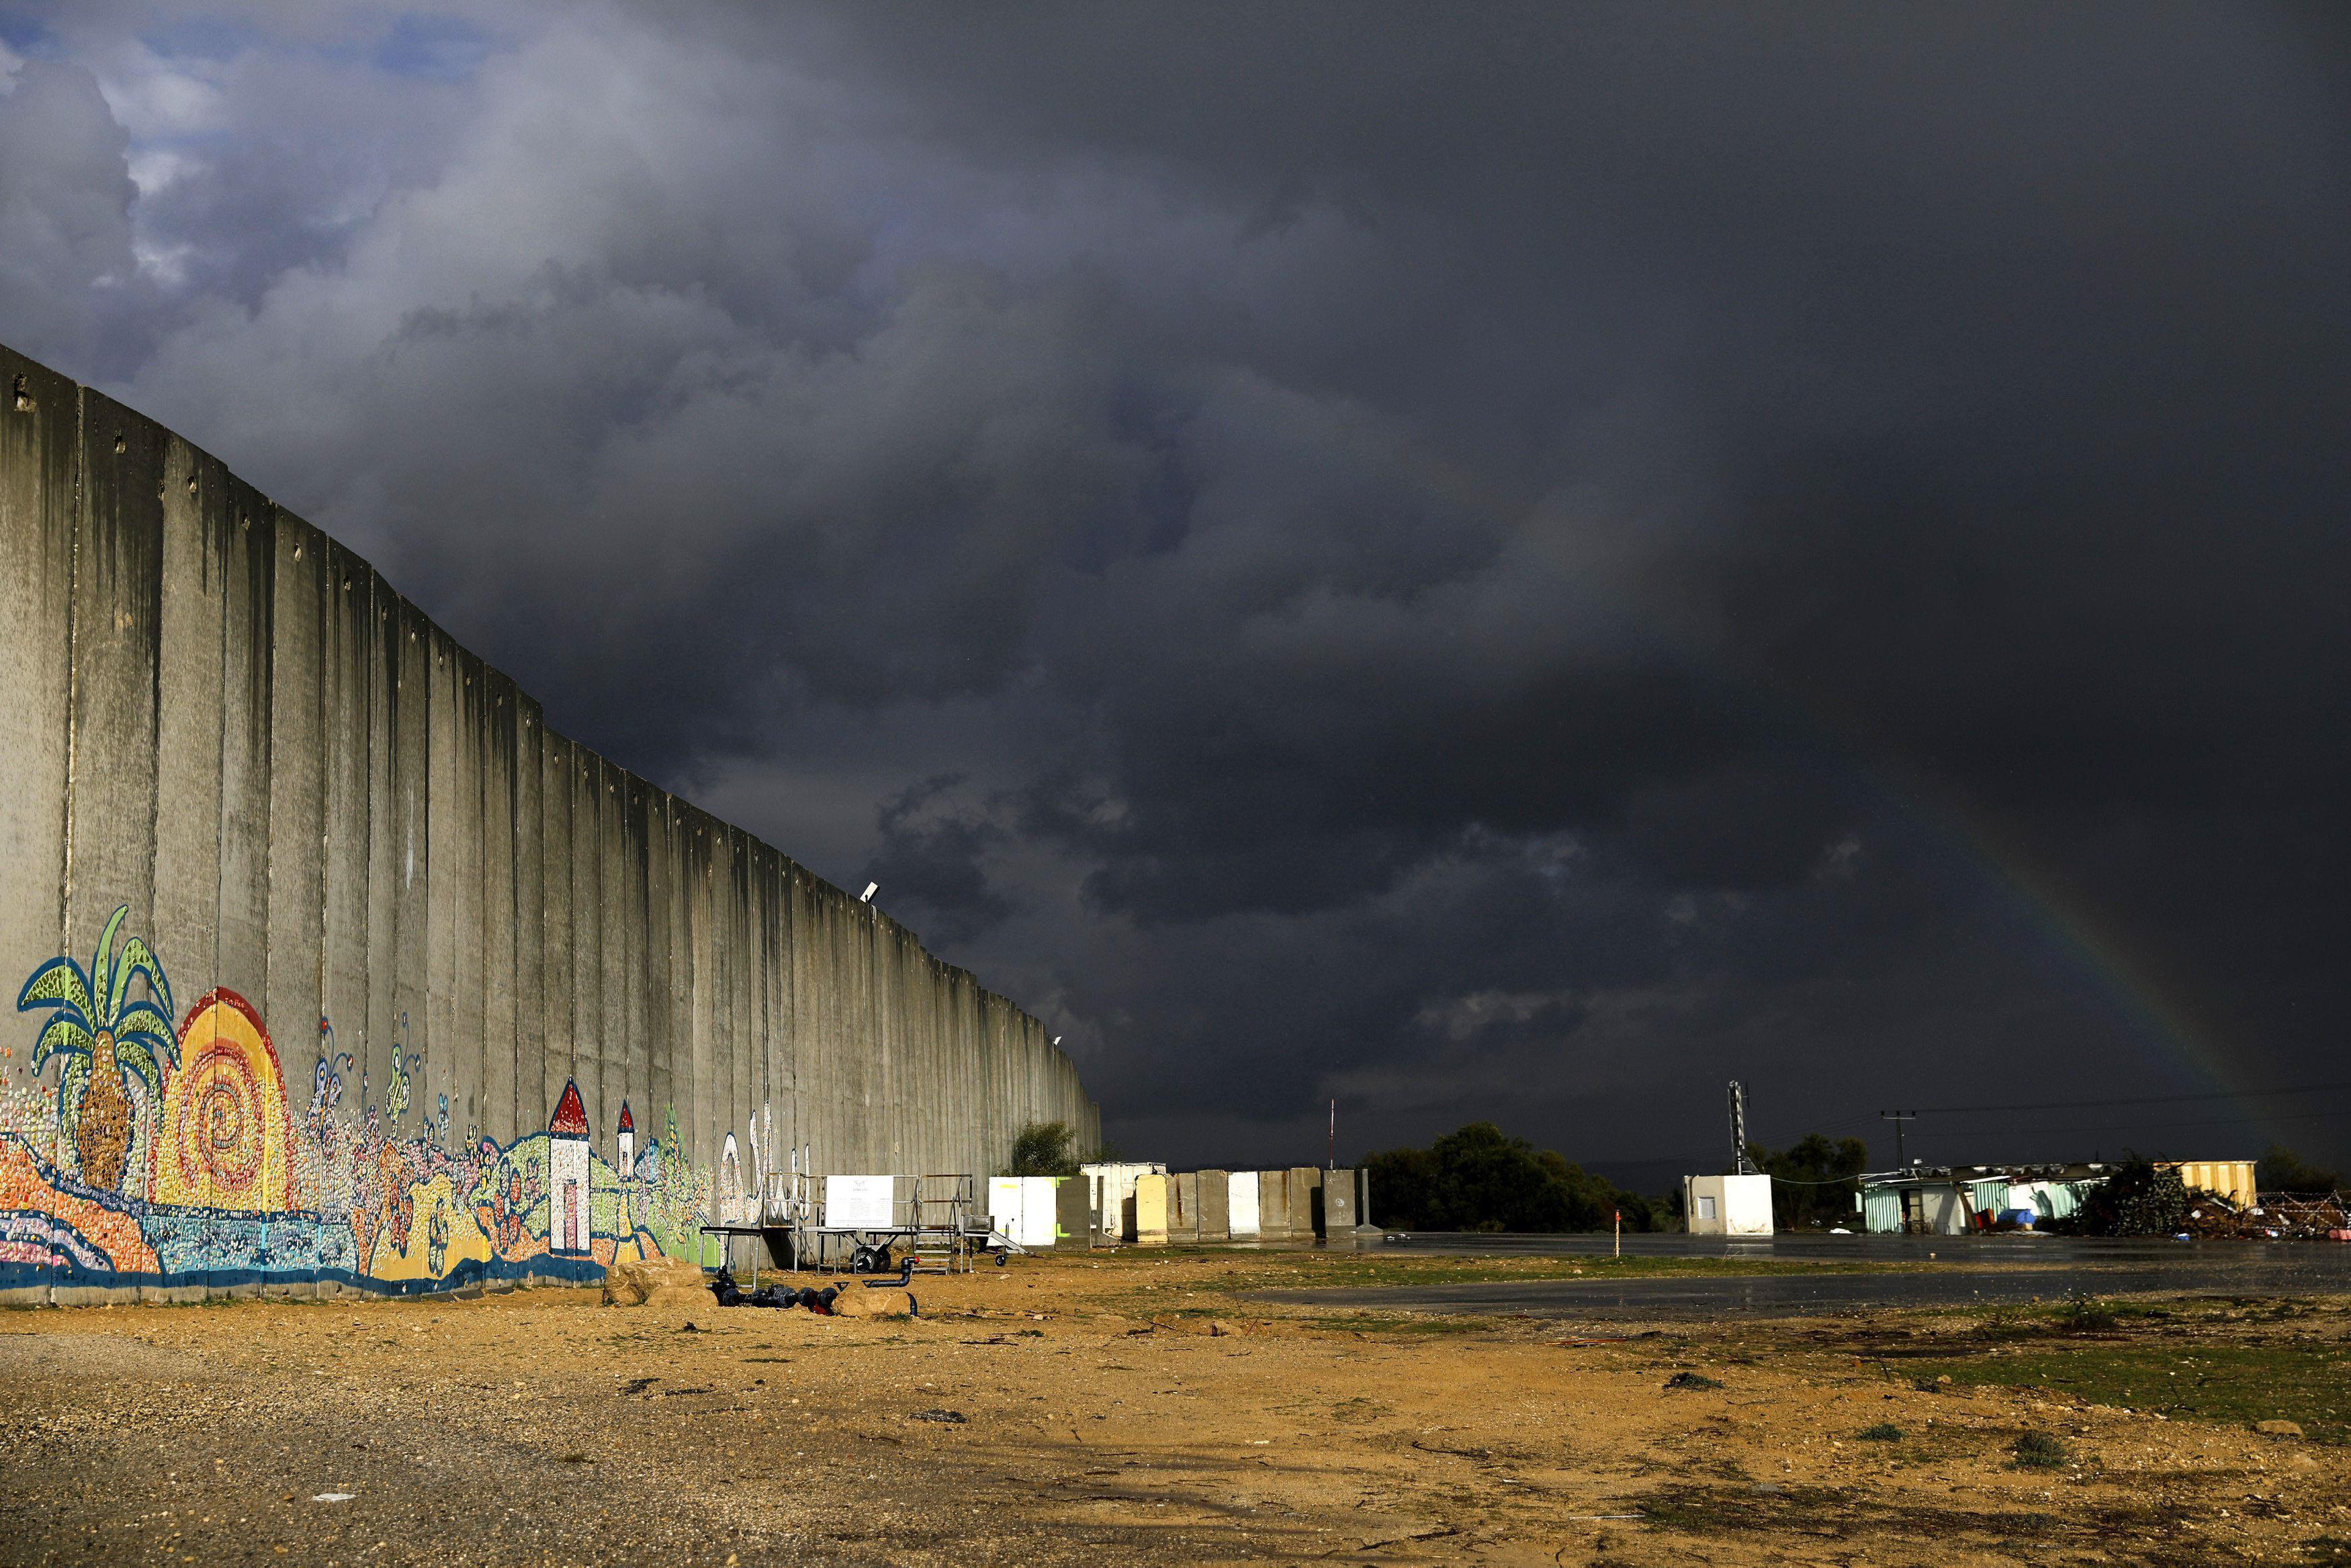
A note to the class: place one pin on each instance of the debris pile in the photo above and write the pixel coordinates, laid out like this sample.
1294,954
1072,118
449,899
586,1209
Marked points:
2277,1216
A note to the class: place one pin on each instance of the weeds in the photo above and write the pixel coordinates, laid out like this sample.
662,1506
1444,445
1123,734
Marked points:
2085,1314
2037,1451
1884,1432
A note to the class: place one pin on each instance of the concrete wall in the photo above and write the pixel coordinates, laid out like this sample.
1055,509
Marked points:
398,926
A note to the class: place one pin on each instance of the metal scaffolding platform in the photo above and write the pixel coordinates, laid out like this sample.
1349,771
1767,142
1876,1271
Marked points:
933,1225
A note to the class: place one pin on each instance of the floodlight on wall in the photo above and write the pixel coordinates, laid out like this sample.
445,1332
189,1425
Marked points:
1056,1040
867,896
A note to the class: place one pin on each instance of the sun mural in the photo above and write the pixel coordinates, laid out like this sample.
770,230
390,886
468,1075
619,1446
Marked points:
160,1155
226,1141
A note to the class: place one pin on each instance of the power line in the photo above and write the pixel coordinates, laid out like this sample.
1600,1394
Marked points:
2163,1127
2143,1100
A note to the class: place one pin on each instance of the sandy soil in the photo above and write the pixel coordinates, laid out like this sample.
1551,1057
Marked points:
1120,1410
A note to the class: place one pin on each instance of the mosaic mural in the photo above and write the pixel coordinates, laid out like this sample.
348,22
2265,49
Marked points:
139,1151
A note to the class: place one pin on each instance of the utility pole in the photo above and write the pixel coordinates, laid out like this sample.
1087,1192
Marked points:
1739,1164
1332,1152
1897,1118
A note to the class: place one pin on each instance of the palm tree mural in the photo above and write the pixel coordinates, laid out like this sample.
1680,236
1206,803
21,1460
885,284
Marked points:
105,1035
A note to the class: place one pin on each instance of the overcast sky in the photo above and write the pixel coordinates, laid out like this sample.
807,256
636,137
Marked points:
1487,563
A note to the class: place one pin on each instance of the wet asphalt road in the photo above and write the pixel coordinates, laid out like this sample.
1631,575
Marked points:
1954,1272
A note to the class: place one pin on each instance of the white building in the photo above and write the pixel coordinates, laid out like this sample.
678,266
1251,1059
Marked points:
568,1231
1726,1205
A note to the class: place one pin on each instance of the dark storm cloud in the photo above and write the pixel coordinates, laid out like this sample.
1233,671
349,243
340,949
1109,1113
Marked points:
1494,561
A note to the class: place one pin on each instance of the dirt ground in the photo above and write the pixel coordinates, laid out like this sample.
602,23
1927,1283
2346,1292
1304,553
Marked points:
1134,1408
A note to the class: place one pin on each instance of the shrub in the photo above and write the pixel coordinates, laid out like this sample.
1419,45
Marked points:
1042,1148
2037,1451
1884,1432
2136,1200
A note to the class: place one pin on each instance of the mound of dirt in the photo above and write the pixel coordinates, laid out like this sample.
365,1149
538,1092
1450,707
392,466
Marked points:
873,1304
661,1283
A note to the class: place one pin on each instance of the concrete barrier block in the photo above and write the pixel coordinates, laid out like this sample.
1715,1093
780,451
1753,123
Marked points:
1072,1214
1184,1206
1242,1188
1215,1196
1339,1202
1151,1211
1305,1200
1273,1217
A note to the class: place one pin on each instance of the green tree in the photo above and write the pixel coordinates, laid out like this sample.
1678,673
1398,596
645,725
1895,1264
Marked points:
1042,1148
1813,1180
1479,1177
2282,1170
105,1036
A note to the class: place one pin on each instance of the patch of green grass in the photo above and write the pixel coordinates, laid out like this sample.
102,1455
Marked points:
1884,1432
1318,1271
2085,1314
2304,1381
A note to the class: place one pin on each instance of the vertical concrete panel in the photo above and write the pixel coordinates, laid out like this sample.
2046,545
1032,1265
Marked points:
349,658
420,927
718,1087
248,648
40,457
188,720
853,931
782,1090
612,957
495,706
297,790
587,930
696,1107
557,765
448,791
373,1052
118,617
743,1099
814,998
532,1107
111,795
636,855
470,971
663,868
799,1008
788,1061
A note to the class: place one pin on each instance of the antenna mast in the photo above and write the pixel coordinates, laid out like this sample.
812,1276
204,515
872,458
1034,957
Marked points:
1739,1163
